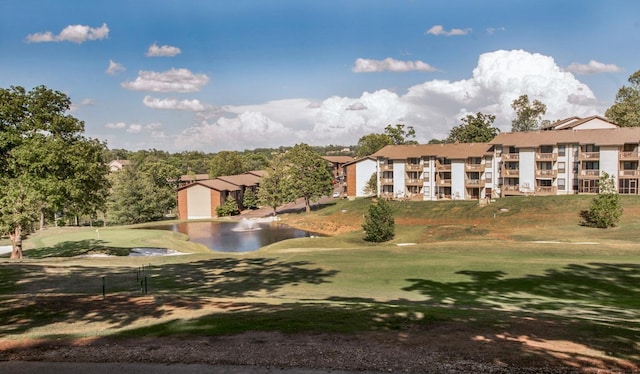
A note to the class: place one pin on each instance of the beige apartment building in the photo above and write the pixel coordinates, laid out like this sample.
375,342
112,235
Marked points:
567,157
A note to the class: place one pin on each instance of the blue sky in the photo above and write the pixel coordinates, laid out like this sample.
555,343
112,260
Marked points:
234,75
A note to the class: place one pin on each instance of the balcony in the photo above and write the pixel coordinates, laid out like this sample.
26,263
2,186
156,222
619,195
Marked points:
589,155
443,182
546,173
546,156
510,173
473,167
413,182
473,182
386,181
511,190
386,167
590,173
546,190
629,155
510,156
413,167
443,167
629,173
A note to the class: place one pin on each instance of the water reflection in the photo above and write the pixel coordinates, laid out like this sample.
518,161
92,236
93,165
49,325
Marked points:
221,236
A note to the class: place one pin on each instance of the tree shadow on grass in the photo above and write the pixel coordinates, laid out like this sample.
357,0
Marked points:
38,295
597,305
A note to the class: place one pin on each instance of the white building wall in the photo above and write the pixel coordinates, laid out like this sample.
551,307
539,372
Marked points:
527,170
198,202
364,169
399,189
609,162
457,179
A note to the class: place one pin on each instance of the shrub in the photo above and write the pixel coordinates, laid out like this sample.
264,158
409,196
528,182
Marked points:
250,199
229,208
379,224
605,209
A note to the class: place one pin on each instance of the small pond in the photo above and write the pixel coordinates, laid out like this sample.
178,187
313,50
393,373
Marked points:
243,236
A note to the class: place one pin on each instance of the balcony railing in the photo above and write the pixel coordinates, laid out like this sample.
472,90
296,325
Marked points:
629,173
386,180
443,167
443,182
474,167
589,155
473,182
546,173
510,172
386,167
546,190
511,190
629,155
413,167
414,181
590,173
511,156
546,156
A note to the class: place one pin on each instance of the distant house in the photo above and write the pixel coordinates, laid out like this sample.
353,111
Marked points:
357,174
199,199
117,165
577,123
336,165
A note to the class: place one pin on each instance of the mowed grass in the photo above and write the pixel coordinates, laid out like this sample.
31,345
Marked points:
488,267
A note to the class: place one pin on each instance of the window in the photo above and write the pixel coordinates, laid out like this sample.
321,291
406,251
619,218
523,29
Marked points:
546,149
427,190
561,149
488,176
561,167
561,184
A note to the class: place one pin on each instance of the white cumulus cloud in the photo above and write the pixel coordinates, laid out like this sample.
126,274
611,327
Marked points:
72,33
438,30
174,104
114,68
389,64
246,131
593,67
174,80
162,51
432,107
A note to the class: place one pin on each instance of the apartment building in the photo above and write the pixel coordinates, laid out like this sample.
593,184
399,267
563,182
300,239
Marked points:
566,161
567,157
435,171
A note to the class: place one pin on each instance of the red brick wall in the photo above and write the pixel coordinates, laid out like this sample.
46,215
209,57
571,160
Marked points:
351,180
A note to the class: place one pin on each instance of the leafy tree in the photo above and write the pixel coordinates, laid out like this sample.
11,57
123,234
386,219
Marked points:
372,143
141,194
226,163
605,209
399,135
379,225
255,161
229,208
528,114
307,174
273,187
44,161
474,129
250,199
371,187
625,111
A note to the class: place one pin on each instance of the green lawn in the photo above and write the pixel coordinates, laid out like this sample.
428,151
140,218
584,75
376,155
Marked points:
481,266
